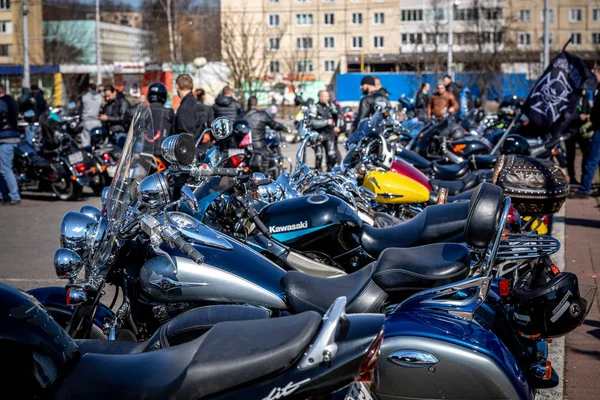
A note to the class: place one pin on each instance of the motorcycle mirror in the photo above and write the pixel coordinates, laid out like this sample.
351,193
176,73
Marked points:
104,195
222,127
188,198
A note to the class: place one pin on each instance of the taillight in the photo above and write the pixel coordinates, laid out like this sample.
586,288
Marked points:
80,167
105,157
513,215
545,220
367,368
504,287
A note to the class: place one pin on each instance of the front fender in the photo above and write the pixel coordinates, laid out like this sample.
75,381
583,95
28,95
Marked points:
55,297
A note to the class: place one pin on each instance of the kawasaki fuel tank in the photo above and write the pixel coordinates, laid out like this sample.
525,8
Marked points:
317,223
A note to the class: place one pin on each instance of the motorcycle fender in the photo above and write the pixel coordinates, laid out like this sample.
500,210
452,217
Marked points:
56,297
432,356
393,188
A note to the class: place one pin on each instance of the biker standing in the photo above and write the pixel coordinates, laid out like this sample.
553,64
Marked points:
322,118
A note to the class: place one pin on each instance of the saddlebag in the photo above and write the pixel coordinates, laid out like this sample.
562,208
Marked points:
536,187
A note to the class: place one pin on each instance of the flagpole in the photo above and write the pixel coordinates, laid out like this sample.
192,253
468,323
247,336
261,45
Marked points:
568,42
505,134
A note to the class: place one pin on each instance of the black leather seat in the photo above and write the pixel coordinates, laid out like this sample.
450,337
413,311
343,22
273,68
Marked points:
408,271
485,160
230,354
449,171
185,327
468,182
437,223
305,292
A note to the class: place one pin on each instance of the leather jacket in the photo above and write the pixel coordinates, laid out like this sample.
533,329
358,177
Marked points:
440,102
259,121
367,106
319,115
163,125
229,107
190,117
116,110
421,104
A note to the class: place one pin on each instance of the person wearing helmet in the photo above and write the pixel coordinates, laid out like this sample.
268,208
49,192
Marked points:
163,117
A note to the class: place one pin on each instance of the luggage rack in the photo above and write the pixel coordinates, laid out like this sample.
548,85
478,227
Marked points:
526,246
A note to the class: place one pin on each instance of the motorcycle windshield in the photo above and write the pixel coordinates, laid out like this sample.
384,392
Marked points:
134,165
366,127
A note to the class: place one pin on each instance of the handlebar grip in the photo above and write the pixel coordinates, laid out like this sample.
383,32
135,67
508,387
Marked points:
260,225
189,250
262,182
225,171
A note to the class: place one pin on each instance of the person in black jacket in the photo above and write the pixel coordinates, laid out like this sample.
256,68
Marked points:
114,114
226,106
259,121
9,138
372,98
422,101
322,117
453,88
594,153
582,114
190,117
162,117
200,94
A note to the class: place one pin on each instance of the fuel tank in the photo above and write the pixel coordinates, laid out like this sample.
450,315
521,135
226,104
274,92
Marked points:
402,167
436,356
317,223
394,188
471,145
231,273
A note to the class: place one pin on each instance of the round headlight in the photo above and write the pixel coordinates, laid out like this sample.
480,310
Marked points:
77,233
91,211
67,263
153,191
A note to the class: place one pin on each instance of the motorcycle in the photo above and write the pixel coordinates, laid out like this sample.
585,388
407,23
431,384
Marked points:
449,317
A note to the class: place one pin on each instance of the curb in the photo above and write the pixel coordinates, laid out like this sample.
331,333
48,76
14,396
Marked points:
556,350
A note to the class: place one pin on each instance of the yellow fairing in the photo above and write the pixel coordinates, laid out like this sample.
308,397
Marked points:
537,226
393,188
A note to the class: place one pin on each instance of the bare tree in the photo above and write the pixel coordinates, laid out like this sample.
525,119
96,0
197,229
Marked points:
62,41
298,65
244,44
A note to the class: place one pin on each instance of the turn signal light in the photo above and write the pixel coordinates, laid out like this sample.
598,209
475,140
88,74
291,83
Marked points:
546,220
106,157
548,373
513,215
555,270
504,287
206,138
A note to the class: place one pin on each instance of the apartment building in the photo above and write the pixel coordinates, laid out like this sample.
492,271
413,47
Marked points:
11,33
578,20
322,37
127,18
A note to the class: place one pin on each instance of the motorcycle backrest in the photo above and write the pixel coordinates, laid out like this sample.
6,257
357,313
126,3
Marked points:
485,209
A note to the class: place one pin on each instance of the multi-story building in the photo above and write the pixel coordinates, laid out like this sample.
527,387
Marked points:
11,33
322,37
118,43
127,18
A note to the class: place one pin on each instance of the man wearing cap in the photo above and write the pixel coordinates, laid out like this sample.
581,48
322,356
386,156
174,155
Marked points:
372,98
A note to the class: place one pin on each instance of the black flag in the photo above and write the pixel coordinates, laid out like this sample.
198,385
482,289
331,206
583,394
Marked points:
552,103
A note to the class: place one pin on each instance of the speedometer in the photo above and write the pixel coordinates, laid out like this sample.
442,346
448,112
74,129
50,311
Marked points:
182,221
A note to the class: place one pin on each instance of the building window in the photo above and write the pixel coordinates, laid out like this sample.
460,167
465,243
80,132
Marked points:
304,66
524,15
550,39
576,39
304,19
438,14
356,18
303,1
328,1
492,13
329,42
412,15
274,1
304,43
329,66
412,38
378,18
4,5
273,44
357,42
378,42
575,15
550,15
596,38
274,20
524,39
596,14
466,14
274,67
329,18
491,37
442,38
6,49
5,27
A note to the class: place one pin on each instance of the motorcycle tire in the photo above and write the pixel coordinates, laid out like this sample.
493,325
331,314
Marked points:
66,190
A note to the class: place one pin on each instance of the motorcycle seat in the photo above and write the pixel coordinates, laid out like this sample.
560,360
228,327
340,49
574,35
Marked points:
221,359
467,182
305,292
462,196
183,328
42,163
436,223
418,268
485,160
449,171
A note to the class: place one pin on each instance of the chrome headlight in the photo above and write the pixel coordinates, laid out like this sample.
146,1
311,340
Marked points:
91,211
67,263
77,233
153,191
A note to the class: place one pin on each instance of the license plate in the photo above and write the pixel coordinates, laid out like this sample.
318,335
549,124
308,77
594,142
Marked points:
234,152
76,157
358,391
110,170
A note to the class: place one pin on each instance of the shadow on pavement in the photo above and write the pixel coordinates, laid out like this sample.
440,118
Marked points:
588,223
